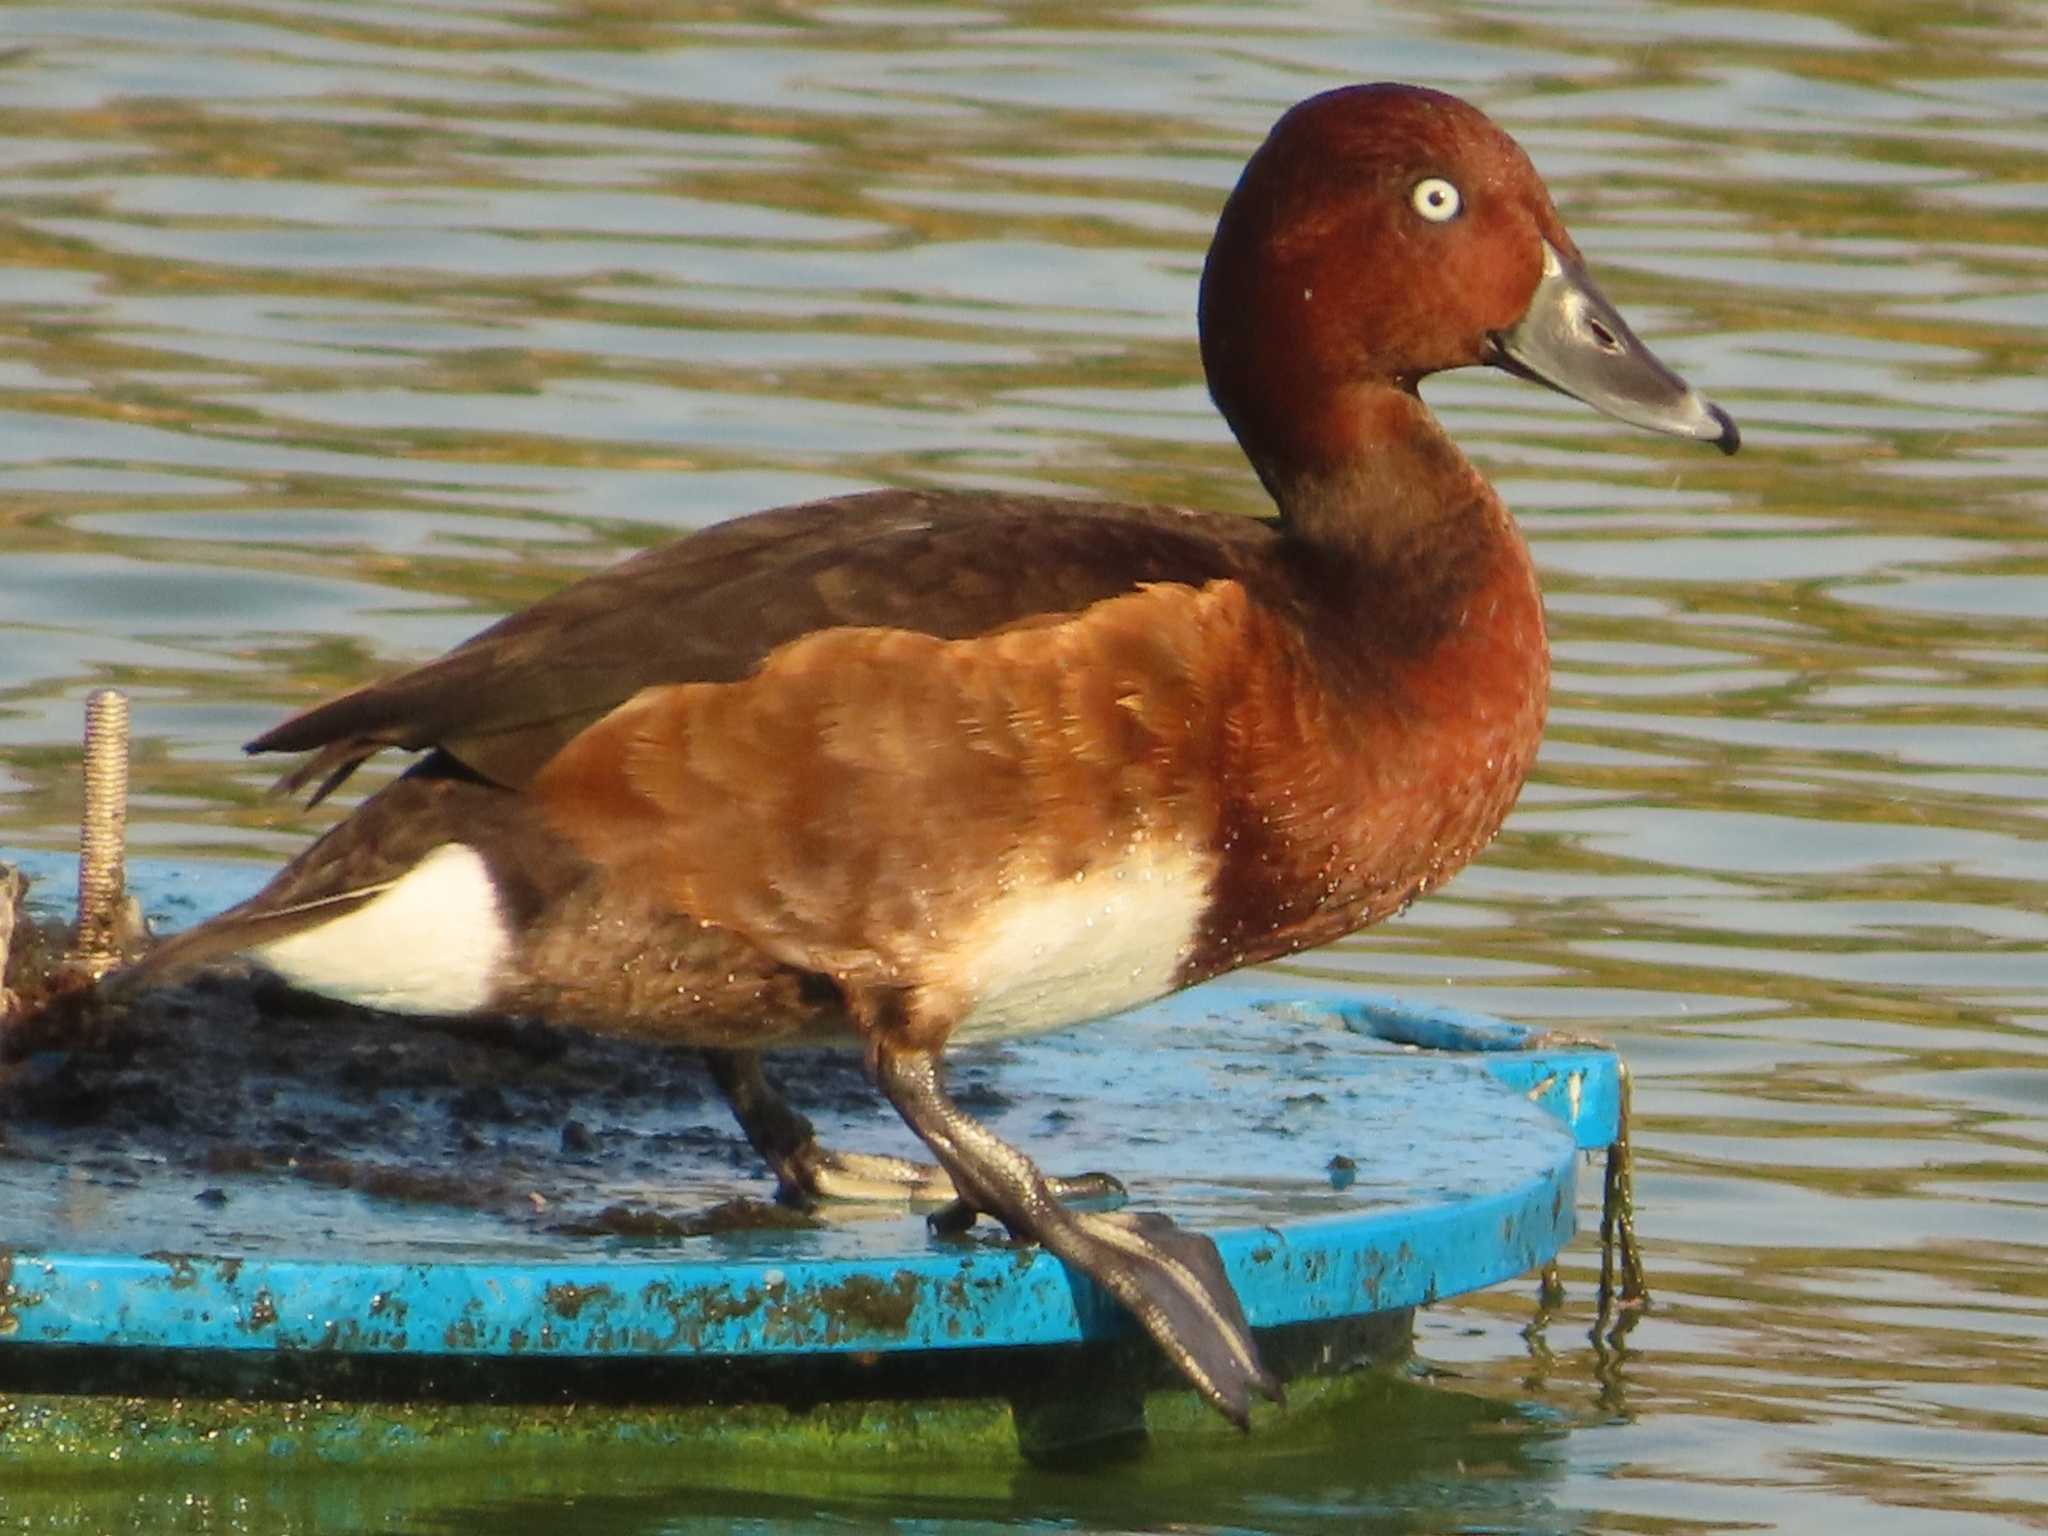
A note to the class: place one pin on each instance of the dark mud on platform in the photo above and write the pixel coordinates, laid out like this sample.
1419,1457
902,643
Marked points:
235,1077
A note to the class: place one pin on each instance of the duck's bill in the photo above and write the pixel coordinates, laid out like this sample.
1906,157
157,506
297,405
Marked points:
1576,342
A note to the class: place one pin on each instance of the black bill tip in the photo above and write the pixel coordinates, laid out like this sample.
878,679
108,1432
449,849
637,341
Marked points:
1731,435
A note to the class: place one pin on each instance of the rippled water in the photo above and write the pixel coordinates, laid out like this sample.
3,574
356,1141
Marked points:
332,329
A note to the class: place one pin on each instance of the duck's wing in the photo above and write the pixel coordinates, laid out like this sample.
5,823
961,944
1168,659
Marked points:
711,607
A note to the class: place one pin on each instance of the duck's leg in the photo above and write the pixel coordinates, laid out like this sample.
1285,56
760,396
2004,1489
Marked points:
1170,1279
807,1171
804,1170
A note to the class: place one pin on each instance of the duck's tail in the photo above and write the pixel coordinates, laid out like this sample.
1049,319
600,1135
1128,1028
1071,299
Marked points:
240,929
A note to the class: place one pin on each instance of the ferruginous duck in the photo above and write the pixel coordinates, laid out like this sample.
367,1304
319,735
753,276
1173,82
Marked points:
909,768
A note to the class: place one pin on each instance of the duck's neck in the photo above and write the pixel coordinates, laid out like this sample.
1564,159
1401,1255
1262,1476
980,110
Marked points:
1415,608
1372,473
1376,497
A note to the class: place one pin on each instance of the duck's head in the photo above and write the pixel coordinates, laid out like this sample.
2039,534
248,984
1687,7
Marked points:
1386,232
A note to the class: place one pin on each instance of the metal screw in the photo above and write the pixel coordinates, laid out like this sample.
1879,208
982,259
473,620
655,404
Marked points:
102,833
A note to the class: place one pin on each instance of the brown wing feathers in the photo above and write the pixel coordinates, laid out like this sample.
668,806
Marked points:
709,608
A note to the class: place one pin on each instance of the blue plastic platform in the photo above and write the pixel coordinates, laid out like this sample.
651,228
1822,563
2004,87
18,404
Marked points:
1354,1157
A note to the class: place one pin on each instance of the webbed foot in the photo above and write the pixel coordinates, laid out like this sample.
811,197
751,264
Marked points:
1169,1278
806,1171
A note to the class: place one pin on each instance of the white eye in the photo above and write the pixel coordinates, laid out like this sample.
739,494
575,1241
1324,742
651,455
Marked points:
1436,199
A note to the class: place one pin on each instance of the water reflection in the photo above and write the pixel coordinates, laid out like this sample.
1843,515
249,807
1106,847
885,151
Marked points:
332,330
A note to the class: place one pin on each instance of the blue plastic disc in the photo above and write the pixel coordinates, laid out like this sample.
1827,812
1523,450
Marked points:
1351,1156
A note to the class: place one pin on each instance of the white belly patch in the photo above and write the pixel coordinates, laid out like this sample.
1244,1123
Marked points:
430,943
1050,955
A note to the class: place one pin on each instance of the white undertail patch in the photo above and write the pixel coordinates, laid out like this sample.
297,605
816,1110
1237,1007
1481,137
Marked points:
432,942
1048,955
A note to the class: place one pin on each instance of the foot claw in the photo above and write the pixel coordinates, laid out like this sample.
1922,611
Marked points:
1104,1189
953,1219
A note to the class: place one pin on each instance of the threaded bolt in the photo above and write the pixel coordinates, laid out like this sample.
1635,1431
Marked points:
102,833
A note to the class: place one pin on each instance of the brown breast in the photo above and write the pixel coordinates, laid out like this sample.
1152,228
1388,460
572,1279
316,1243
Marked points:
1362,776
